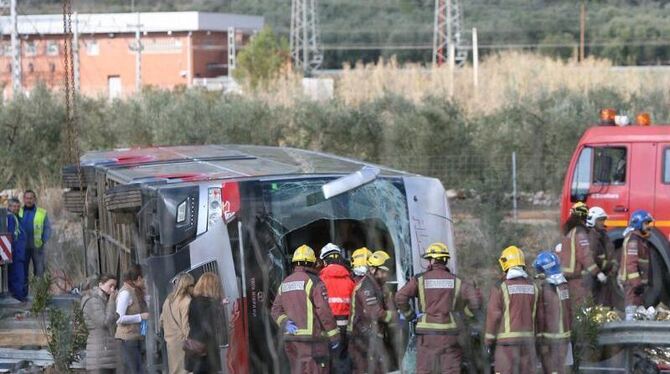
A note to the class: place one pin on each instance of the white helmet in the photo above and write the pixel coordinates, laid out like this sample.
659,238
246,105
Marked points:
329,249
595,213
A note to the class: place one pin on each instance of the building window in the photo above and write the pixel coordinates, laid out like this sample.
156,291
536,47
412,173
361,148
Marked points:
52,67
31,68
7,49
92,47
9,68
114,87
52,48
30,48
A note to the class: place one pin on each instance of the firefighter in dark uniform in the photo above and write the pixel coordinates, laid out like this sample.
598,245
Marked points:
370,318
359,263
634,271
576,256
440,293
301,311
553,314
510,316
603,255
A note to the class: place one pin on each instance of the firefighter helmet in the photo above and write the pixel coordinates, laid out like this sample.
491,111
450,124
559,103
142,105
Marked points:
379,259
510,257
304,254
438,251
547,263
639,218
330,249
579,209
595,213
360,257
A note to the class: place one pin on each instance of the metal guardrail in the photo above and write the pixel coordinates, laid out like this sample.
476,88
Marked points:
635,333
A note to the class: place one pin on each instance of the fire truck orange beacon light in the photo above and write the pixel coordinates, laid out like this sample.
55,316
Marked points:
643,119
607,116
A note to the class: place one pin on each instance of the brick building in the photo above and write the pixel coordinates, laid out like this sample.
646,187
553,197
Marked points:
177,49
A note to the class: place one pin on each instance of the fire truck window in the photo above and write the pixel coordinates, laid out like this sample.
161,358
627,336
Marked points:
581,180
609,165
666,165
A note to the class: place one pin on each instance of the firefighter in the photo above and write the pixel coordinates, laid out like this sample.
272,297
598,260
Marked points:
553,314
576,257
359,263
339,284
440,294
370,318
634,271
301,311
510,316
603,254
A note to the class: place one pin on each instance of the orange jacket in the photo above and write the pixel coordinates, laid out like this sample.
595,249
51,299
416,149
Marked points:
340,287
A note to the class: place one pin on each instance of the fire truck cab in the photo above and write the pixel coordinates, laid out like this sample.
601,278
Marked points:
240,211
621,169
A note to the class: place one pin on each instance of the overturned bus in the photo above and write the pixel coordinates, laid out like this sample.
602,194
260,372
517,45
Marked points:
240,211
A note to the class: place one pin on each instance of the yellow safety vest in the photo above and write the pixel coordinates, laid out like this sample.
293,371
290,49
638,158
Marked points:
38,225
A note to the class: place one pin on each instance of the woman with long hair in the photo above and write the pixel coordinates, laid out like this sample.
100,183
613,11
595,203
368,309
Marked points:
100,317
174,319
132,309
207,321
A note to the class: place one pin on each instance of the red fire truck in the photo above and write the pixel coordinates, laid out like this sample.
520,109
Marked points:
621,169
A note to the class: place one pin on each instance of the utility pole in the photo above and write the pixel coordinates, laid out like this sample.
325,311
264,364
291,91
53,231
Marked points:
582,29
305,40
16,51
475,59
138,54
232,58
447,30
75,52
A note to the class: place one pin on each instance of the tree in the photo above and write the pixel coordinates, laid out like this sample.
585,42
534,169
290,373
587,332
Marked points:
262,59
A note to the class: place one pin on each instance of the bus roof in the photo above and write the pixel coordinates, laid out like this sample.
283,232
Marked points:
627,134
212,162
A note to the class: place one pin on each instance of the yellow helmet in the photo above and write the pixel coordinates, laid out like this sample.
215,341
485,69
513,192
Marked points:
360,257
510,257
437,251
579,209
304,254
379,259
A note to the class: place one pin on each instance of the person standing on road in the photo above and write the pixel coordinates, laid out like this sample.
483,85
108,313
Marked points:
174,319
207,325
370,318
100,316
553,315
440,294
603,255
340,286
576,256
35,224
17,277
132,309
633,274
359,263
301,311
510,316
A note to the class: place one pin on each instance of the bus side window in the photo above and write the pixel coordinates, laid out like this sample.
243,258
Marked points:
609,165
666,165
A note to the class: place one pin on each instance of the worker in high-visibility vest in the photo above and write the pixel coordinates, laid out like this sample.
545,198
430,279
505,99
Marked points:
301,311
576,257
510,316
440,294
554,313
634,270
35,224
16,275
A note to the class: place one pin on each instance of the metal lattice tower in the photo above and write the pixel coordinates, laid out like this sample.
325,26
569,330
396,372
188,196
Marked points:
448,29
305,38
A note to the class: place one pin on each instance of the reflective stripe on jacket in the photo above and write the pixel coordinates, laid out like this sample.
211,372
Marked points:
303,299
634,259
340,287
511,311
439,293
38,226
368,309
554,312
575,255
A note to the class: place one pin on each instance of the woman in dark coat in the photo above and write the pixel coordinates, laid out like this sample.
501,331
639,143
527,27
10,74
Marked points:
207,322
98,306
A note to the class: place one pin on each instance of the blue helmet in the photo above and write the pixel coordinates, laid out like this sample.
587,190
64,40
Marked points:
547,263
638,218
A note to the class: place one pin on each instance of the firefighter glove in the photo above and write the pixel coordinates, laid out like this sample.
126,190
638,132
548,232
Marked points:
291,327
602,278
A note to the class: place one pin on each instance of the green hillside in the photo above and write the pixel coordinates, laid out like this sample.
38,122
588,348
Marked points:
628,32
